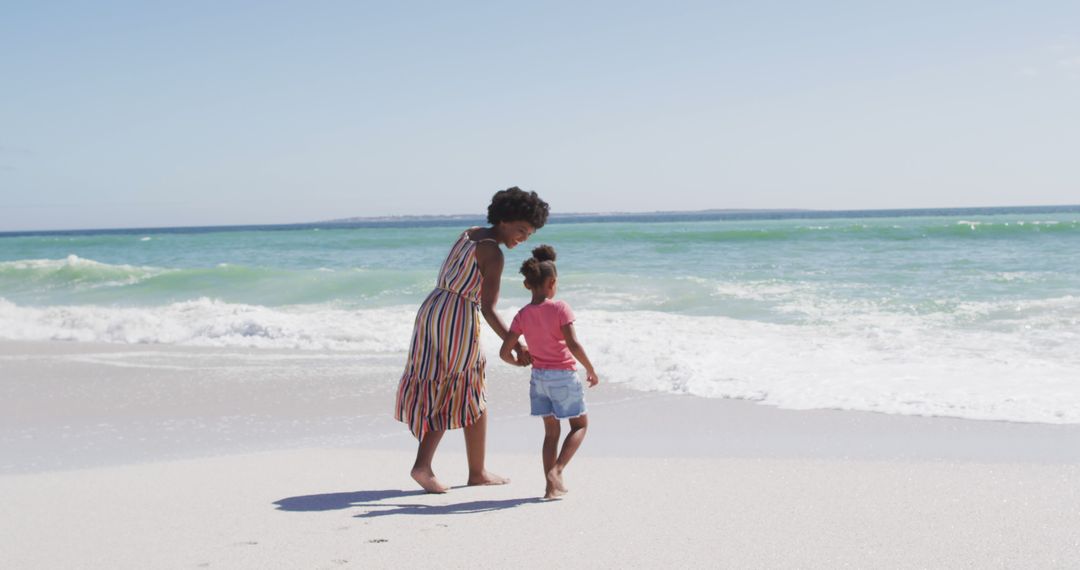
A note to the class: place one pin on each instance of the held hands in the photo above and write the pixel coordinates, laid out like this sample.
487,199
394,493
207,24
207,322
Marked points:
521,355
513,352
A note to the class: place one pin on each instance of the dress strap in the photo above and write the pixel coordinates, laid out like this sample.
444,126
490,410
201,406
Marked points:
466,234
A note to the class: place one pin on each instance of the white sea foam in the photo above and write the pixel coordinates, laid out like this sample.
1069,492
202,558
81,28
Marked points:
758,290
1021,276
1022,369
896,364
207,322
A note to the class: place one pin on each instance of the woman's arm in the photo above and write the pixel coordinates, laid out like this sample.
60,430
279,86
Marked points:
579,353
489,259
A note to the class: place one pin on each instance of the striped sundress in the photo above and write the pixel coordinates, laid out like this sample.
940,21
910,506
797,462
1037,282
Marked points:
443,383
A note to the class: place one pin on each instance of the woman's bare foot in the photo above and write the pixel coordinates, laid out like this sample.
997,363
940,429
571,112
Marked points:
426,479
551,493
555,481
487,478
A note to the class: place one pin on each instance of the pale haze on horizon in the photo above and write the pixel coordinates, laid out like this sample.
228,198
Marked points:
127,114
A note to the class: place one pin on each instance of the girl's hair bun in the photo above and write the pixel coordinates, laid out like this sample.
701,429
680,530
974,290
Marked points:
540,266
544,253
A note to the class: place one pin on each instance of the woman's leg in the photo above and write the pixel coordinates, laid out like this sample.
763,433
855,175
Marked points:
475,440
425,453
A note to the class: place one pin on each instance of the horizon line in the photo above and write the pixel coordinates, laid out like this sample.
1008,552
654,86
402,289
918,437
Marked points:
389,220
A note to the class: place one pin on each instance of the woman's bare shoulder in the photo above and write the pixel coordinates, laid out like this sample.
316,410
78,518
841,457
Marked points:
488,251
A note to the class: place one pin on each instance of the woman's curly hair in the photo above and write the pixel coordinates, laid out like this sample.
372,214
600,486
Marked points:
514,205
540,266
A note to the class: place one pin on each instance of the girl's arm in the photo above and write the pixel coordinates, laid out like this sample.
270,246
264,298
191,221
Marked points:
489,259
506,352
579,353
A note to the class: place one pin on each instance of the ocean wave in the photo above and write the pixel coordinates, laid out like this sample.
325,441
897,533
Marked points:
77,280
72,271
872,361
210,322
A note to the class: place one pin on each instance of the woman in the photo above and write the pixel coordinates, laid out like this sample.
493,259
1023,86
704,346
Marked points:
443,384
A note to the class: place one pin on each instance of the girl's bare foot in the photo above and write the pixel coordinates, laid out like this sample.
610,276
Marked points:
426,479
487,478
555,481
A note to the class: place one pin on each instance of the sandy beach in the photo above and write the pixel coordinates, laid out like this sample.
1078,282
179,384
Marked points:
824,259
149,456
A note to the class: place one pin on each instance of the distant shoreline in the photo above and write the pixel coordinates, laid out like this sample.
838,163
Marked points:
569,218
563,216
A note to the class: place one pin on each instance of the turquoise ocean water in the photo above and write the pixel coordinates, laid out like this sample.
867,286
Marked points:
967,313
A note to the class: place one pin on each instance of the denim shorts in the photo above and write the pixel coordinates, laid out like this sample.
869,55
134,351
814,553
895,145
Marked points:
556,393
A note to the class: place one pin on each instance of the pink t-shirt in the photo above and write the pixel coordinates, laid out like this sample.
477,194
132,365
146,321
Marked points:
542,326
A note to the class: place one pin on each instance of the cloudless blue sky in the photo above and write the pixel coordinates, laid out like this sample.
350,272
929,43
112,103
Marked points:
120,114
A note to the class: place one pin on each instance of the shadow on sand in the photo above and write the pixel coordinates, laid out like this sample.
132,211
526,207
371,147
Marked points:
373,500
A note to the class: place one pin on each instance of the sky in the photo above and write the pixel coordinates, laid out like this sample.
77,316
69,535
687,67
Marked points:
146,114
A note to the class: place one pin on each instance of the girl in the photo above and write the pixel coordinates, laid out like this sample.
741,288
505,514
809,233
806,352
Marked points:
443,384
555,391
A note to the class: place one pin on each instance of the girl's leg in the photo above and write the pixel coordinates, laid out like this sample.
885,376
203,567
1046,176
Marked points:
549,451
578,427
425,453
475,440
